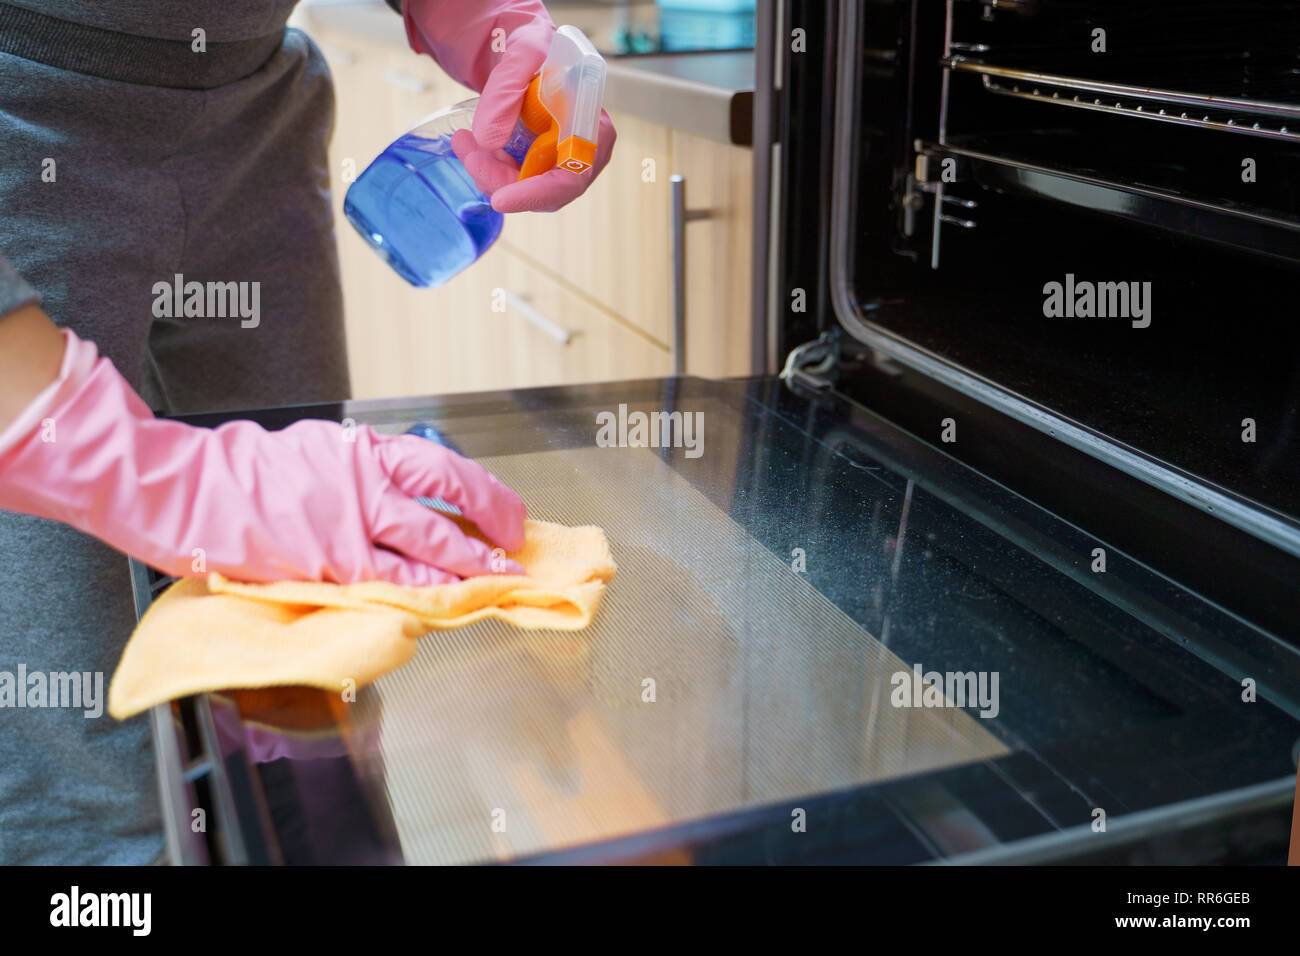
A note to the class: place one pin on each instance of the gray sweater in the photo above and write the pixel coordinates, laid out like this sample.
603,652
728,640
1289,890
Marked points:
14,290
154,179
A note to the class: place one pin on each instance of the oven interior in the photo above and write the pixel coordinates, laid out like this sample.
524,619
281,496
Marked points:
1003,146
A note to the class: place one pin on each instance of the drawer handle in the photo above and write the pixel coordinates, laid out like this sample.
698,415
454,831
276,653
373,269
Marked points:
681,216
405,81
336,54
524,308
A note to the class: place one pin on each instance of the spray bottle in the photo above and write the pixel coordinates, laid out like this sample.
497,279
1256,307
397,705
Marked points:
418,207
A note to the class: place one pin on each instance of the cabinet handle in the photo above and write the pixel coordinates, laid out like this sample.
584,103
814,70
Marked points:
336,54
524,308
405,81
681,216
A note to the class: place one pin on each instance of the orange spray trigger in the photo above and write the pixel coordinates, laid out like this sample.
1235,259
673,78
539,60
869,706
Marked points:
561,107
541,154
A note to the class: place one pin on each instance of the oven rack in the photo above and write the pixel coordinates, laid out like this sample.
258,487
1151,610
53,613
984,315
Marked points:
1256,230
1220,16
1269,120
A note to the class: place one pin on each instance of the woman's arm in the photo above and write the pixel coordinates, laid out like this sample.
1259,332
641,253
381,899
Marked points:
31,351
312,502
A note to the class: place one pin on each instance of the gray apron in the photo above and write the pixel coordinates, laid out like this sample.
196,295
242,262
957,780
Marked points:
108,188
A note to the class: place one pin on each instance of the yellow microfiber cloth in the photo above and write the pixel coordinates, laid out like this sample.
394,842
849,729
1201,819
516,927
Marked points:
220,634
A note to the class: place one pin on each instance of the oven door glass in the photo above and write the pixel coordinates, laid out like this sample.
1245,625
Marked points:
826,641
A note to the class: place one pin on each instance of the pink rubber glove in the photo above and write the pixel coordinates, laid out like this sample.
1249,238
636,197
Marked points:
313,502
467,38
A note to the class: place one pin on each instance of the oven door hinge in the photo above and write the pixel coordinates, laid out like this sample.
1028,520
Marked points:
814,364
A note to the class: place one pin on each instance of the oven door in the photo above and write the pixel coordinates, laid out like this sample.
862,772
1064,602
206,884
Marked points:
1039,236
827,641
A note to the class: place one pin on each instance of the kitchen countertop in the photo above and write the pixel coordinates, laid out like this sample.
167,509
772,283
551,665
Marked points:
709,94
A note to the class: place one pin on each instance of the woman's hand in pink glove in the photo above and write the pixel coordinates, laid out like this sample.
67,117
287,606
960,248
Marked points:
319,501
315,501
462,36
497,174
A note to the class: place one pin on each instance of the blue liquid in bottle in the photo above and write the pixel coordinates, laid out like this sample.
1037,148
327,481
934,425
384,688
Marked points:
419,209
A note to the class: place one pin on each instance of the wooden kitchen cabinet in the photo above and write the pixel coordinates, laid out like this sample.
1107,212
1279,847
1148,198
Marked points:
614,244
719,324
601,346
601,267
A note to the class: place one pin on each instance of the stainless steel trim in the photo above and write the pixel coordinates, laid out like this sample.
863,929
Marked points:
767,155
1131,827
936,224
775,300
1199,100
1263,525
778,48
171,787
679,273
234,845
1182,119
681,216
168,763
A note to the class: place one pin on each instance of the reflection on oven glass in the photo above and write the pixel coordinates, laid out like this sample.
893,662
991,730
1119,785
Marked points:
713,679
